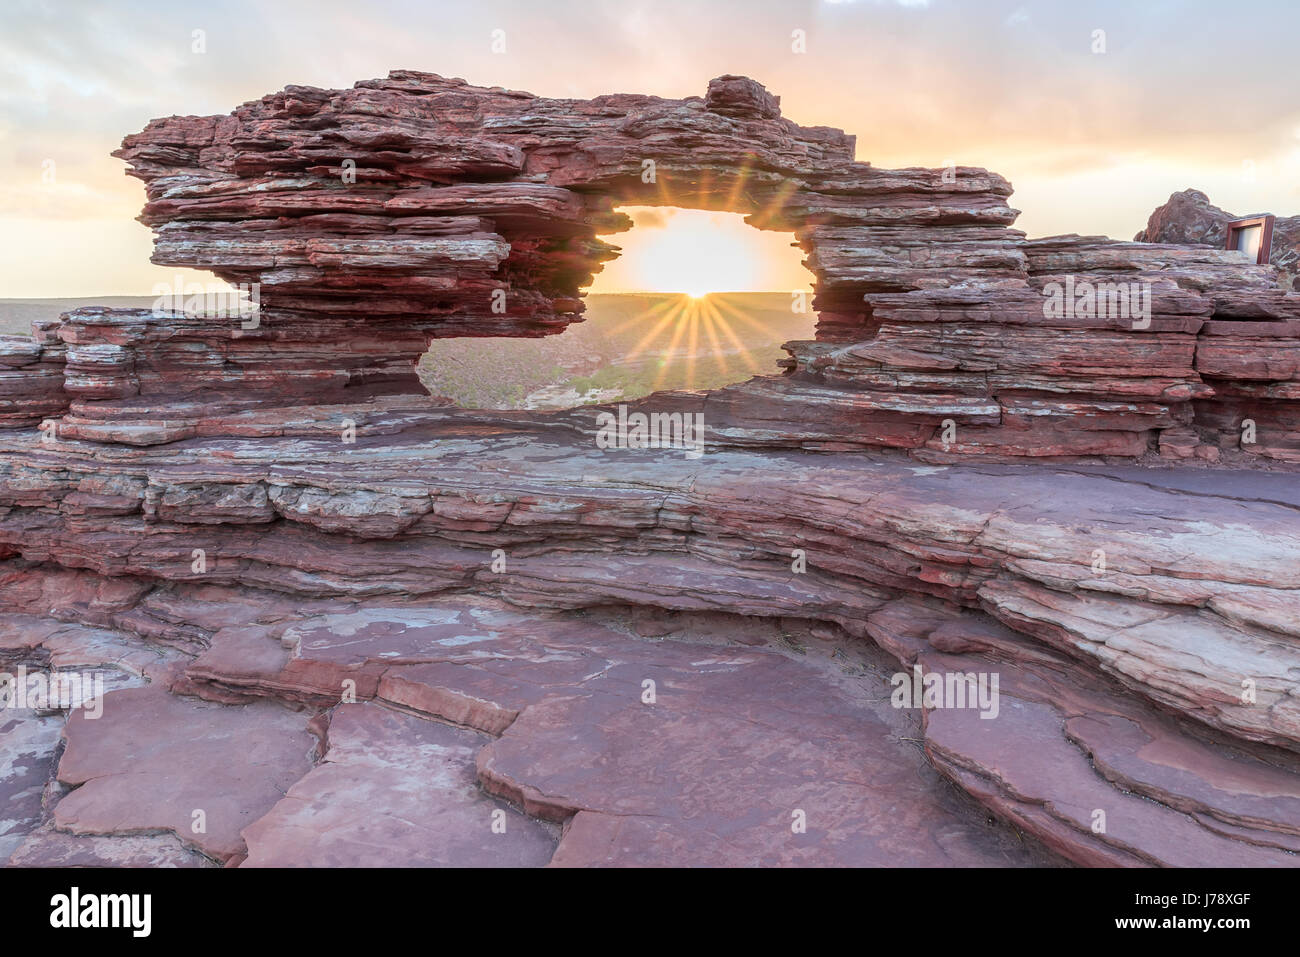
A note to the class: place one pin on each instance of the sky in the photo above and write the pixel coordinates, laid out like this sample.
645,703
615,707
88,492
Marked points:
1093,129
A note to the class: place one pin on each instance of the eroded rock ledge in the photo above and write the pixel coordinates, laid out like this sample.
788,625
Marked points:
317,574
381,626
375,218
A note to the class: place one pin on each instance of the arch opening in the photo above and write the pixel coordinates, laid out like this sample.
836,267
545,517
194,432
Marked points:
696,300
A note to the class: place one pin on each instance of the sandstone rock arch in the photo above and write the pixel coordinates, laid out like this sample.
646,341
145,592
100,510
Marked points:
388,213
376,218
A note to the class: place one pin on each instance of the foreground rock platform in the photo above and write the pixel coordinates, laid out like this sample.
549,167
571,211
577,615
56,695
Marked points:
1121,687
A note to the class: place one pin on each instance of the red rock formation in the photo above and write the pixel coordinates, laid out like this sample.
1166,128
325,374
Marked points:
374,218
31,377
240,519
1189,218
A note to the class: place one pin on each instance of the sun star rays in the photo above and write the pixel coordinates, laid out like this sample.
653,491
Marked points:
675,329
690,245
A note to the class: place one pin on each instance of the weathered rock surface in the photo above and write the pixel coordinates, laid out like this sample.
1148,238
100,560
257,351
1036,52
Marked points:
1072,757
395,790
27,755
1190,219
1194,596
154,761
738,760
769,707
48,847
349,624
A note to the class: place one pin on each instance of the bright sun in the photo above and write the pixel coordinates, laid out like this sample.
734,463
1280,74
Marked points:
697,252
701,256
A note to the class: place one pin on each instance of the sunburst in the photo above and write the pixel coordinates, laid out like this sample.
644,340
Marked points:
701,273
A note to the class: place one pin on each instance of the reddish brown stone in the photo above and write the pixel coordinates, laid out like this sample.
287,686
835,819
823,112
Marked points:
200,519
156,762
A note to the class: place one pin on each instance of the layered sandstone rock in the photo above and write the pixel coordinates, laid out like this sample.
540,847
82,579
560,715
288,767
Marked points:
264,532
32,377
1189,218
374,218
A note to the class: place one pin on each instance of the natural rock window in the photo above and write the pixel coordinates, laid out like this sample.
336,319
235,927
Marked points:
696,300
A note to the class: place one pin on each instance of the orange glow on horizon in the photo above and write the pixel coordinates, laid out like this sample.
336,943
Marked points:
682,322
697,252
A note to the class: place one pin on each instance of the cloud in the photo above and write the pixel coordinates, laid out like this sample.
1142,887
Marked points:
918,85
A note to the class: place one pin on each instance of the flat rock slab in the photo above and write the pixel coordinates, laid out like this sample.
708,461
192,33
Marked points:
766,741
28,745
396,790
743,758
152,760
46,847
732,727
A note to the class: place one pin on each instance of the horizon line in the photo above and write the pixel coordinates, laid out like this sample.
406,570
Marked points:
626,292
